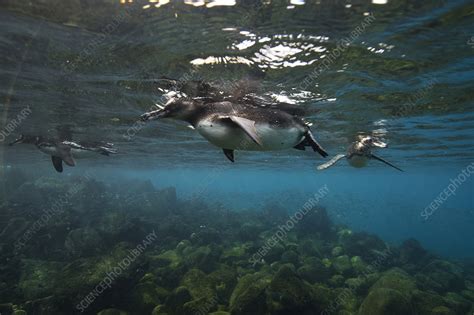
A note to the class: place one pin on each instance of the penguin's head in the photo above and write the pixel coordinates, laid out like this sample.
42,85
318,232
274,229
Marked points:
368,141
174,108
26,139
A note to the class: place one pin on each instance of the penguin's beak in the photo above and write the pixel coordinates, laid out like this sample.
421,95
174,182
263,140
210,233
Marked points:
379,144
159,113
19,140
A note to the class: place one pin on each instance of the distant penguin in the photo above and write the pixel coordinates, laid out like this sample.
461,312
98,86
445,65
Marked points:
237,126
359,153
64,151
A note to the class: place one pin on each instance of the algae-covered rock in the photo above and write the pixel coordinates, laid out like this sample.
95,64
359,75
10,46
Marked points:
342,265
313,270
337,251
289,294
6,308
112,311
39,278
383,301
442,310
358,264
336,281
457,303
448,274
274,253
424,302
159,310
144,297
369,247
396,279
250,231
249,296
412,252
225,279
290,257
200,306
201,286
83,242
204,258
177,299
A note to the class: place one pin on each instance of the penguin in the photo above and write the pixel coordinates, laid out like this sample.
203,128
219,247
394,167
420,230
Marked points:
238,126
64,151
359,153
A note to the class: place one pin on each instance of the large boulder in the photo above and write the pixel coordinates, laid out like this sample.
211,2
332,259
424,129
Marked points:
249,295
383,301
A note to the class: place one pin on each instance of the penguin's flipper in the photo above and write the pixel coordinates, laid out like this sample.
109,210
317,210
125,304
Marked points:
229,154
300,146
57,163
65,153
247,125
331,162
309,138
386,162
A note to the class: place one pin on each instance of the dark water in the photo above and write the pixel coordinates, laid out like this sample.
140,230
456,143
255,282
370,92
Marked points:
377,241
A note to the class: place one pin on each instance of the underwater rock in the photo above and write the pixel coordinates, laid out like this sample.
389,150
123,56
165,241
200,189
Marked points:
169,258
309,248
144,297
291,295
290,257
342,265
457,303
337,251
442,310
200,285
249,296
250,231
383,301
14,229
182,245
336,281
359,265
313,270
345,300
204,257
236,253
412,252
176,300
83,242
447,274
43,306
112,311
39,278
362,244
274,254
6,308
396,279
200,306
159,310
225,279
424,302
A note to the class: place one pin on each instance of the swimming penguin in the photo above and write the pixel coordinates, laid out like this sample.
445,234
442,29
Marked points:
236,126
359,153
63,151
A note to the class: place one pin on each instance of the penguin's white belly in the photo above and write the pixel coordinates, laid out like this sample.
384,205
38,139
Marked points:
358,161
234,138
50,150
